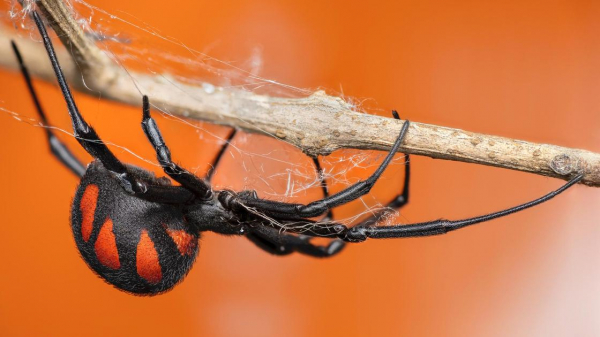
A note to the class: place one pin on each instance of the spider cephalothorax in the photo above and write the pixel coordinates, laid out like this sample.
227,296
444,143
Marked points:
140,233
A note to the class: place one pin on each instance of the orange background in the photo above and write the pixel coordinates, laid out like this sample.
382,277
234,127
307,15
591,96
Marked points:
523,69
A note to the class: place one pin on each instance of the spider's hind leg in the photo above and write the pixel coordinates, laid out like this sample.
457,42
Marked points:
91,142
58,148
85,134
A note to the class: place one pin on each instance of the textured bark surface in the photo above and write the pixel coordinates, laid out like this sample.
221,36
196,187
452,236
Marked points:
318,124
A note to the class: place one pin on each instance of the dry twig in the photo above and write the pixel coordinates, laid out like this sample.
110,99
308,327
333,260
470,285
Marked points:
319,124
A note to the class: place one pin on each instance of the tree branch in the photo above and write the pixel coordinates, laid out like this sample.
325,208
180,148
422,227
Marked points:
318,124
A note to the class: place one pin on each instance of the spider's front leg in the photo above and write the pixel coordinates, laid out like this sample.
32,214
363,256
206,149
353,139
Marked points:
399,200
362,231
273,241
188,180
209,216
290,211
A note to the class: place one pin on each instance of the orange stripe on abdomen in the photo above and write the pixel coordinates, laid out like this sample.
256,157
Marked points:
148,266
185,242
87,205
106,246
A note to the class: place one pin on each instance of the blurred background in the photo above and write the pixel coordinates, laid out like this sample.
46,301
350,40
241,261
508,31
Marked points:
522,69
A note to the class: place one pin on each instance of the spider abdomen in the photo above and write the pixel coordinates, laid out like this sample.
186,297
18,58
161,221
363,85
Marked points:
138,246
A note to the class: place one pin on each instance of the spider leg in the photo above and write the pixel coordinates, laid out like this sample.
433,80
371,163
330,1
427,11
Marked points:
181,175
274,242
85,134
324,185
316,208
269,246
361,232
213,167
58,148
398,202
442,226
89,140
401,199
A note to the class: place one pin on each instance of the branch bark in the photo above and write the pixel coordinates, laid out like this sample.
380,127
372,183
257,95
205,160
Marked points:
318,124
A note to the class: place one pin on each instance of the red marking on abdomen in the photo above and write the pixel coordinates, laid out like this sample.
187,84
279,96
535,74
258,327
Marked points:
148,266
106,246
186,243
87,205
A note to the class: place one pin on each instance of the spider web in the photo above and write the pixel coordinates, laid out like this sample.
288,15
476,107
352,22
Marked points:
275,169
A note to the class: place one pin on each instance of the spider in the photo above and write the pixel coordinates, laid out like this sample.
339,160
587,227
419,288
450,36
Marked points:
140,233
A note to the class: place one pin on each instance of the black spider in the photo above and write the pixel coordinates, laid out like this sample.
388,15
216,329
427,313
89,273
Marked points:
140,233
